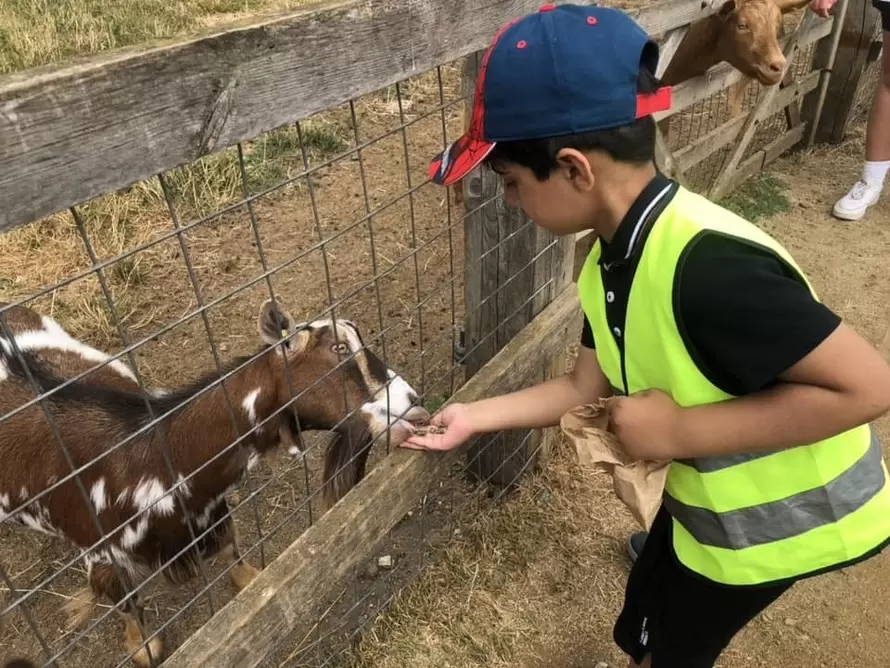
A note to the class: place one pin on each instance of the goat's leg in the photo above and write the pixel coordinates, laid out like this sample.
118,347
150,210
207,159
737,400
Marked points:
735,96
105,582
242,573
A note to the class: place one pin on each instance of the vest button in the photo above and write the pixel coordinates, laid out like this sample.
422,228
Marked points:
610,296
617,331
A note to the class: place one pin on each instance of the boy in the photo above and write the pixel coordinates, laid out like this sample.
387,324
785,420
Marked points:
719,354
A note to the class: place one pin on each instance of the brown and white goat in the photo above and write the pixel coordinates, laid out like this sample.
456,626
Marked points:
147,512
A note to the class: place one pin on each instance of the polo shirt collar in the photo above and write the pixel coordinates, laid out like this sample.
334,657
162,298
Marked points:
630,230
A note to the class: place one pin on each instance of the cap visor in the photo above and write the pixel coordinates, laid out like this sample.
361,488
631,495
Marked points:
458,160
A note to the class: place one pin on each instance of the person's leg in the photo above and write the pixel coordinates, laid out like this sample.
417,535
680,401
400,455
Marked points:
643,594
868,188
671,617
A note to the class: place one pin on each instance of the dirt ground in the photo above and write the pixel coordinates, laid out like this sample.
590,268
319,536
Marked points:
539,581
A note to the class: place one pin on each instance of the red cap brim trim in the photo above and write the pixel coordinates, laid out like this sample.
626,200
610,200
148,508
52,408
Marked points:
660,100
458,160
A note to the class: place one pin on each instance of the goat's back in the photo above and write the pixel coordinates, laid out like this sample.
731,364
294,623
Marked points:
40,357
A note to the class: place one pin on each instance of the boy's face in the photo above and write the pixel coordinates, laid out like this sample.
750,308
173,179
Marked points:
565,203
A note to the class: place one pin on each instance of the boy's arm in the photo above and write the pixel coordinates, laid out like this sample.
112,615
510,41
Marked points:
800,375
538,406
542,405
841,384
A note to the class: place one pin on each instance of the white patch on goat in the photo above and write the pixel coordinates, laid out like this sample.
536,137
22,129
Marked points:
182,487
150,495
385,412
97,495
123,496
4,370
123,559
249,406
4,507
134,533
23,493
347,333
37,520
202,520
252,459
52,336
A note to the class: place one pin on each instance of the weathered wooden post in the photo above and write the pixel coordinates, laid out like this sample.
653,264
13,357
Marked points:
513,270
844,57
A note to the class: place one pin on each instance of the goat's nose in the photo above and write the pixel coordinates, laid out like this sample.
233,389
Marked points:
777,66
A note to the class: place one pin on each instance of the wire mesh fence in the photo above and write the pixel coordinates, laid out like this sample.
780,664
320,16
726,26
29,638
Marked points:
334,218
709,114
137,434
869,79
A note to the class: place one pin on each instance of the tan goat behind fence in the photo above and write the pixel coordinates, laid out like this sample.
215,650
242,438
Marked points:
743,33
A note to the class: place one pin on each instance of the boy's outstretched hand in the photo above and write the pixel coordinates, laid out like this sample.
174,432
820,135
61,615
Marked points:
451,428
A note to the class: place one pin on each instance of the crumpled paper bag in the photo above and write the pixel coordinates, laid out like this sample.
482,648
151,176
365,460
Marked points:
639,484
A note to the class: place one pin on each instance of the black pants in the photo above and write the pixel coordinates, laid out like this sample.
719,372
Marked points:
680,618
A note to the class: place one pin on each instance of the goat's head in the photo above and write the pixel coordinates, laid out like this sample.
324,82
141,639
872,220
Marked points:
749,36
341,386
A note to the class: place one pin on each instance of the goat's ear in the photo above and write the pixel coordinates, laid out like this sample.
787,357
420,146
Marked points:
790,5
275,324
726,10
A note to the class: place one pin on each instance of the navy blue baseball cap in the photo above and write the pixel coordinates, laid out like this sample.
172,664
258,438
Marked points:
564,69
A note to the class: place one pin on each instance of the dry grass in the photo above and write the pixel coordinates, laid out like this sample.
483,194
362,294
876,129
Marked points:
46,252
489,601
38,32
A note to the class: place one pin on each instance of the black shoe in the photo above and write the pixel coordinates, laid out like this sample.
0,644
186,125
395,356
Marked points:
636,543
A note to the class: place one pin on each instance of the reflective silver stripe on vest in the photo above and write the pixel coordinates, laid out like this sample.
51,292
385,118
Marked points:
712,464
789,517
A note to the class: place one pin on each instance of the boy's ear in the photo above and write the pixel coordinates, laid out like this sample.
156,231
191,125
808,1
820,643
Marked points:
577,168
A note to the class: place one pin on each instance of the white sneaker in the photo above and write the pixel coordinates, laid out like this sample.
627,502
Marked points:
855,203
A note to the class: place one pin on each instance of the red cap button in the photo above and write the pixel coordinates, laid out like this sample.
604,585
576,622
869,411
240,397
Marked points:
547,8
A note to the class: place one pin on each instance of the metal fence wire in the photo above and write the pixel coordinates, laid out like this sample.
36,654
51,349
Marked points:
146,373
334,217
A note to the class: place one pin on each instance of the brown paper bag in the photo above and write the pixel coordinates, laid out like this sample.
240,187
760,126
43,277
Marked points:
639,484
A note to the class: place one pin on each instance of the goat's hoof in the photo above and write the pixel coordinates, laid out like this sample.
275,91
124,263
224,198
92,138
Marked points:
243,575
142,658
295,452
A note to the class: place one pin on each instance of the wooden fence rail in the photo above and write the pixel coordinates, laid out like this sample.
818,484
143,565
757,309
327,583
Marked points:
70,133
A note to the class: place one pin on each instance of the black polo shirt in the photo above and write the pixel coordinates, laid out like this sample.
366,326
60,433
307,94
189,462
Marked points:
743,315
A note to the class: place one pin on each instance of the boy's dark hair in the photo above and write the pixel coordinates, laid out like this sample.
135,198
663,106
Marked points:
633,144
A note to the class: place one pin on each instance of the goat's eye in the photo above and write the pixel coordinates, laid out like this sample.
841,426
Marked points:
742,26
340,348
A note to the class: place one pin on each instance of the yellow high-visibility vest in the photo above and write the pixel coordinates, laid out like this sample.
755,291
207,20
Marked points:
746,518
